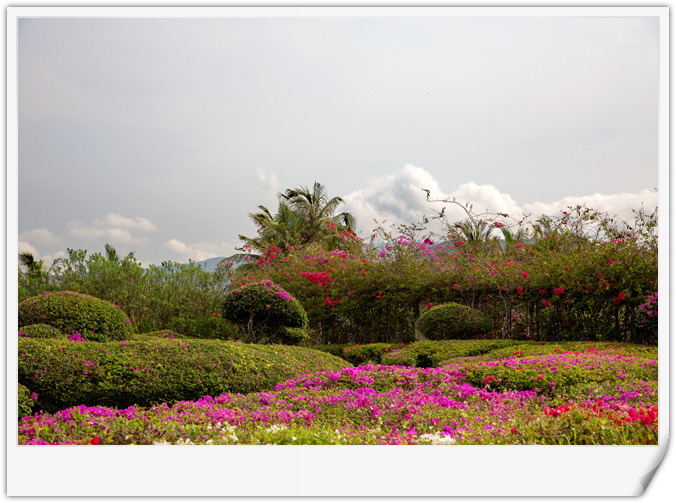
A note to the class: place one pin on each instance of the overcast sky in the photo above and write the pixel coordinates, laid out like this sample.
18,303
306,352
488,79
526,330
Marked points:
158,136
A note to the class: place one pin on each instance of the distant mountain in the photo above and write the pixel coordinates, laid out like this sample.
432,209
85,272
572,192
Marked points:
210,264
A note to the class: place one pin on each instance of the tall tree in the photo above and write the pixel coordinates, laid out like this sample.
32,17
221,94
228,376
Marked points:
315,207
303,216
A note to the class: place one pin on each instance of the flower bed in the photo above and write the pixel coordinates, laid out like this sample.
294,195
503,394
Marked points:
601,395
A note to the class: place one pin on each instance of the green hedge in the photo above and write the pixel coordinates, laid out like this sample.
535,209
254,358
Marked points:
358,354
154,369
434,353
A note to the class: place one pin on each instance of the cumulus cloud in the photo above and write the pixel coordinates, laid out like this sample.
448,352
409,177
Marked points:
198,251
398,199
113,228
40,236
115,220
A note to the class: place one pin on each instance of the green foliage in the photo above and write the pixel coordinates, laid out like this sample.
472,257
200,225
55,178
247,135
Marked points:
452,321
72,312
293,336
26,401
151,297
205,327
367,354
41,330
264,308
153,369
437,353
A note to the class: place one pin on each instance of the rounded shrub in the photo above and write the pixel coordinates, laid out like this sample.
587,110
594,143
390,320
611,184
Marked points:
452,321
264,308
72,312
42,331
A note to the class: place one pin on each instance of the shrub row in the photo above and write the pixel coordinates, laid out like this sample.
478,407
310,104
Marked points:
156,368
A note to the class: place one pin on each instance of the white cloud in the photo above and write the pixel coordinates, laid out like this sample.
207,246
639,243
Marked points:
117,220
42,236
398,198
199,251
113,228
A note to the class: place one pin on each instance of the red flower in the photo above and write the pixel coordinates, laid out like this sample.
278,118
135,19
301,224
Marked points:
95,441
513,430
545,303
520,290
525,274
429,305
558,291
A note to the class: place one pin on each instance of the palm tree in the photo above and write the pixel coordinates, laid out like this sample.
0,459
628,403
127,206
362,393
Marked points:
282,230
35,269
111,254
513,238
317,210
303,216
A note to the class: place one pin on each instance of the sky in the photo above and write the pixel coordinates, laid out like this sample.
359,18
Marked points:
160,135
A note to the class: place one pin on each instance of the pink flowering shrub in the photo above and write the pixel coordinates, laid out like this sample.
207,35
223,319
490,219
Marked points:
264,308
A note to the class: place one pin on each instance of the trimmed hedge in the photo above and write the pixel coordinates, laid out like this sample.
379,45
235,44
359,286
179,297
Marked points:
452,321
359,354
42,331
156,369
434,353
205,327
72,312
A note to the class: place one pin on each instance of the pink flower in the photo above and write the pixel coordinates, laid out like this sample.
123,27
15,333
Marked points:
545,303
520,290
525,274
520,245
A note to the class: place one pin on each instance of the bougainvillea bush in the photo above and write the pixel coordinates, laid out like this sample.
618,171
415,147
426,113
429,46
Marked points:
559,285
588,395
264,308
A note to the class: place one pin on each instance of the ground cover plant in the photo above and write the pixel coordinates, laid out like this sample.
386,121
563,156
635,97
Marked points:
580,394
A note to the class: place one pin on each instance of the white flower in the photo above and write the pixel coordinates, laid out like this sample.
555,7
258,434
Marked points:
436,439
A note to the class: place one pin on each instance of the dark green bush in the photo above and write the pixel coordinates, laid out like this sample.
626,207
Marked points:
293,336
367,353
204,327
72,312
41,330
26,401
157,369
452,321
264,308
